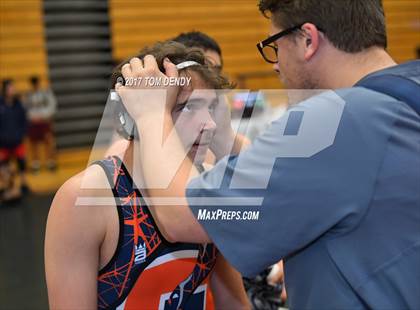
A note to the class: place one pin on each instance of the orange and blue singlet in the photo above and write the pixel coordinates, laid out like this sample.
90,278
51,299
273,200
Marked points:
146,271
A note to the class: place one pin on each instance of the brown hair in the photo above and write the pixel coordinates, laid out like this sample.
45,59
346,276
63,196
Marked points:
177,53
350,25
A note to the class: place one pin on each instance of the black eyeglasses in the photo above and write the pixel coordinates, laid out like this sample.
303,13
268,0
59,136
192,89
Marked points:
269,50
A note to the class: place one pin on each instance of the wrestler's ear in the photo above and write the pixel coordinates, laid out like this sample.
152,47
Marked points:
170,68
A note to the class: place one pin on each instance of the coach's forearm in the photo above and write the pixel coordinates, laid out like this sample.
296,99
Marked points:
167,171
165,165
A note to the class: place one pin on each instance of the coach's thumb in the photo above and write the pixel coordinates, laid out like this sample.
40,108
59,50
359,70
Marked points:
170,68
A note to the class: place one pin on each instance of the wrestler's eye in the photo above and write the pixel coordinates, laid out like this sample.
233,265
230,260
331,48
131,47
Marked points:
187,108
212,107
180,106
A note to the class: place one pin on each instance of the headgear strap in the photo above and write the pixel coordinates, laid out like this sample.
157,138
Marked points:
186,64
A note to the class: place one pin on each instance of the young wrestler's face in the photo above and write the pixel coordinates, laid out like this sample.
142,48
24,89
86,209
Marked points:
193,117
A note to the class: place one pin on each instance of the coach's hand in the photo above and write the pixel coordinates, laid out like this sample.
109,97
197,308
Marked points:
142,99
276,276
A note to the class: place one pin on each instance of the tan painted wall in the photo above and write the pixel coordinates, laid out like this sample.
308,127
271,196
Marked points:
22,44
237,26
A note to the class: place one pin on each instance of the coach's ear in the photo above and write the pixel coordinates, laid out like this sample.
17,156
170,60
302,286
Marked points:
311,37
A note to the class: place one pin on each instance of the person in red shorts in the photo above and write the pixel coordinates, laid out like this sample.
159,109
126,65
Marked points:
41,107
12,132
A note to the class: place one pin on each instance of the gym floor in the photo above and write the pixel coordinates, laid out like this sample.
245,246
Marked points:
22,233
22,229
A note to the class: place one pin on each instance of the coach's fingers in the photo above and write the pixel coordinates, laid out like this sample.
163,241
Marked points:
283,295
126,71
150,63
118,86
170,68
136,65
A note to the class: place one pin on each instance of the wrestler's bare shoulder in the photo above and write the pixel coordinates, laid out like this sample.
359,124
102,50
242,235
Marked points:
81,201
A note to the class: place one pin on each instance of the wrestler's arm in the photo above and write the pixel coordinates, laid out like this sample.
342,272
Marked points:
72,246
227,286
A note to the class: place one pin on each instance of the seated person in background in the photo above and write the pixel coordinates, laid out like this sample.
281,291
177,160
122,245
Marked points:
108,257
41,107
12,132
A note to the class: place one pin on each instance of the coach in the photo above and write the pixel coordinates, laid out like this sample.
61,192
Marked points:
345,218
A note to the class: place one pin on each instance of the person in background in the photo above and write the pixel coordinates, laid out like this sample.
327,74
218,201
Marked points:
210,47
13,126
41,107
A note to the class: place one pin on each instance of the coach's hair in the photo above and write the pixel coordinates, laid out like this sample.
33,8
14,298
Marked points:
350,25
